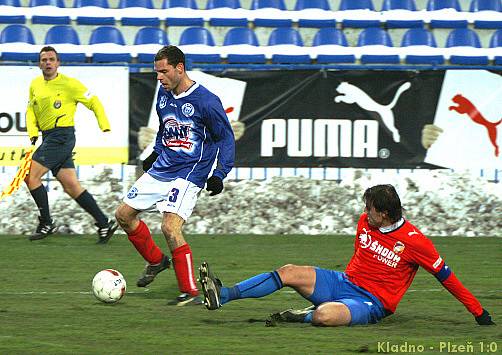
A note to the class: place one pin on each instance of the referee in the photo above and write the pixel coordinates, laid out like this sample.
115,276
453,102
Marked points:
51,109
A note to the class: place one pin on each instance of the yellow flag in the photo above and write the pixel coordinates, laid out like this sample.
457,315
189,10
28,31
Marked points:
24,169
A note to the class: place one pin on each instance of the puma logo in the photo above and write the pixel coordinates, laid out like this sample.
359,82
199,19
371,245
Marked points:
412,233
351,94
467,107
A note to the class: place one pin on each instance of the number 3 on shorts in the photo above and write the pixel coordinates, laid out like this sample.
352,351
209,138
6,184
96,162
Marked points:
173,195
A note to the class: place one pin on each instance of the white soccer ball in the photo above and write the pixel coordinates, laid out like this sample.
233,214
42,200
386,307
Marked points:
108,286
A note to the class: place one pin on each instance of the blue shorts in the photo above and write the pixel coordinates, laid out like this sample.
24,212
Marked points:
333,286
56,150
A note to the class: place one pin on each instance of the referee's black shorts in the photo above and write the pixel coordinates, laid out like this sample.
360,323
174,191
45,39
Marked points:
56,149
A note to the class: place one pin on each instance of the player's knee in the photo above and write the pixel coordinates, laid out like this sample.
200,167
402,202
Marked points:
322,317
122,216
331,315
168,229
287,273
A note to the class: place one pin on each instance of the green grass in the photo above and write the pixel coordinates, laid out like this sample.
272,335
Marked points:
46,306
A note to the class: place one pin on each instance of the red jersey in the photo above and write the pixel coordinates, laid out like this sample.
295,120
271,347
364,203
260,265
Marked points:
386,260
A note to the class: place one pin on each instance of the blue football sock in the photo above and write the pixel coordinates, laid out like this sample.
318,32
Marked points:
254,287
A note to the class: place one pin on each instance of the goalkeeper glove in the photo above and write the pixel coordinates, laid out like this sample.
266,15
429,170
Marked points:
214,185
33,140
485,318
148,162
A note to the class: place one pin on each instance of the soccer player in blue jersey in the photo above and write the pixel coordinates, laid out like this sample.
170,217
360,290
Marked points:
193,131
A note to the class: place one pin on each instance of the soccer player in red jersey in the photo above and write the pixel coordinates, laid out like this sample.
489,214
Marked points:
387,253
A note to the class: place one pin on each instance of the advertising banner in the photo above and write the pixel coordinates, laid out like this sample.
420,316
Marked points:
110,84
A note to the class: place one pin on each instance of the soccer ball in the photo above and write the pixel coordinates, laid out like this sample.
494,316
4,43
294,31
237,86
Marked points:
108,286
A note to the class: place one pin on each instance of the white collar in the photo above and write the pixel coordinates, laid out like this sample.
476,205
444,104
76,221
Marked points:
392,227
194,86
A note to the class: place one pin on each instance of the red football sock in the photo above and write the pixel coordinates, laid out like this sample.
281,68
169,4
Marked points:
183,267
144,244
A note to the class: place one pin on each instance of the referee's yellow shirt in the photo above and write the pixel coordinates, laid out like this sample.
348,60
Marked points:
53,104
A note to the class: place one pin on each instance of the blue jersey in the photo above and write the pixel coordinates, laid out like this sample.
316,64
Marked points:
194,129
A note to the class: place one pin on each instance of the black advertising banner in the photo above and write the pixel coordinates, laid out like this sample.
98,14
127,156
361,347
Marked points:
367,119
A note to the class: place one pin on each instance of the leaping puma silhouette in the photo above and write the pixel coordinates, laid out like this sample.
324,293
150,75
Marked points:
467,107
352,94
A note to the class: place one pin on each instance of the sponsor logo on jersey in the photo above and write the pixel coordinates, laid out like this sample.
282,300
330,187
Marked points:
133,192
187,109
163,101
176,134
365,239
381,253
57,104
399,247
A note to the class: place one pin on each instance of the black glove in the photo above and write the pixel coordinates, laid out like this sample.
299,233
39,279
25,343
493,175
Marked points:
485,318
33,140
148,162
215,185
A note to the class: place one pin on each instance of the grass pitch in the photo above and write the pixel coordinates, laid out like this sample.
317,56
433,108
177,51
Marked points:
46,306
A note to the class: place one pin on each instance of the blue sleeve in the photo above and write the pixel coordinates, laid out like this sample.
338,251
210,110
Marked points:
222,134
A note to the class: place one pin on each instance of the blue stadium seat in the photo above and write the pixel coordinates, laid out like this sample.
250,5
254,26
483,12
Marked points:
358,5
93,20
328,37
410,5
18,34
54,20
287,36
496,42
314,4
63,35
200,36
182,21
138,21
433,5
486,5
421,37
108,36
242,36
376,36
231,4
464,37
270,22
11,18
149,36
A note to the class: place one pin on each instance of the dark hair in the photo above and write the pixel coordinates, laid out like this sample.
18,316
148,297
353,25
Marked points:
48,49
385,199
173,54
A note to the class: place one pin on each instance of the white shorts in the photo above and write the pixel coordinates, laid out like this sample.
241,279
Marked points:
177,196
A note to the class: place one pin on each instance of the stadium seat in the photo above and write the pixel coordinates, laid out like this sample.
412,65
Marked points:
181,5
434,5
90,18
466,39
289,38
410,5
420,46
11,18
356,22
138,21
486,5
150,40
267,21
68,42
376,40
240,45
327,43
198,45
46,19
230,4
16,42
107,44
314,4
496,42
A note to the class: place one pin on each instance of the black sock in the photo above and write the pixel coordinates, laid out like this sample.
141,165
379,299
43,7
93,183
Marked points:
40,196
87,202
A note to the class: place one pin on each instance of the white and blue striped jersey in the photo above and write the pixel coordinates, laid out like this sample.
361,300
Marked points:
194,129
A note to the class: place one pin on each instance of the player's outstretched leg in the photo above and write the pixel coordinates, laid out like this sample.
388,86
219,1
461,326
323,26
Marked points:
211,287
151,270
291,316
106,232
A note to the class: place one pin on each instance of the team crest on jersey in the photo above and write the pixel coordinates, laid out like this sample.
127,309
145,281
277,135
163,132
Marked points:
176,134
398,248
163,101
364,239
57,104
133,192
187,109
